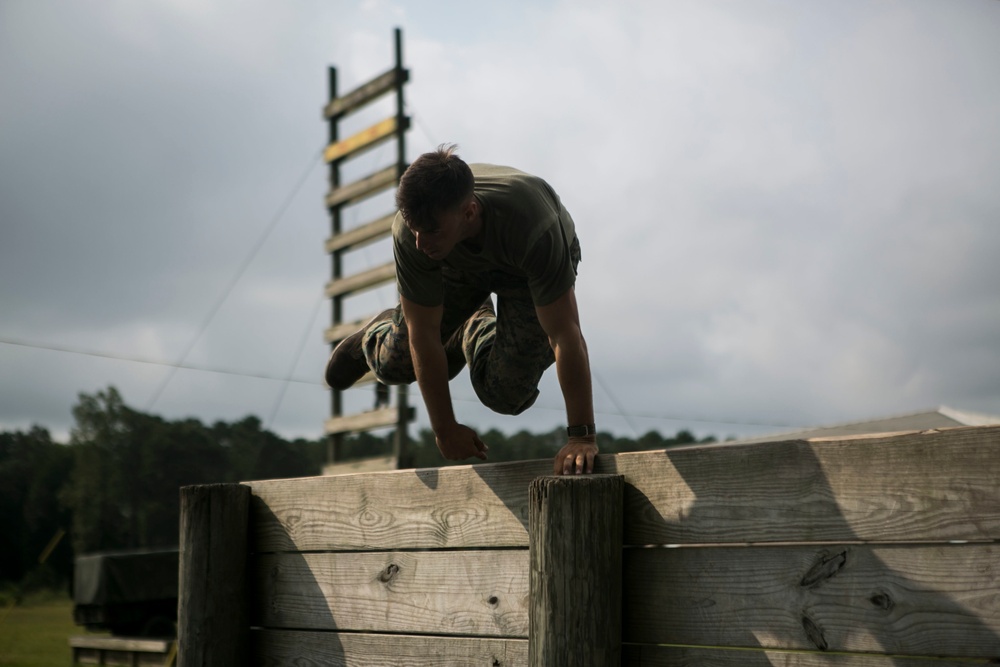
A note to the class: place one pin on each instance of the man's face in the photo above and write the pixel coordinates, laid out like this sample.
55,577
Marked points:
437,240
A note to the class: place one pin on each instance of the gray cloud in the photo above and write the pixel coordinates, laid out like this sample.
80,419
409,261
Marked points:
788,211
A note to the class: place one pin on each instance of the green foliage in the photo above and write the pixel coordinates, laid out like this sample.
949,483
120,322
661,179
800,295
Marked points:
524,446
116,485
32,469
124,488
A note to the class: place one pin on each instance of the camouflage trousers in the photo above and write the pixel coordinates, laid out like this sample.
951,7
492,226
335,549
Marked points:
506,349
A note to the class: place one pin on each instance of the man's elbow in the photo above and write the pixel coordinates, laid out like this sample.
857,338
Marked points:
568,337
422,342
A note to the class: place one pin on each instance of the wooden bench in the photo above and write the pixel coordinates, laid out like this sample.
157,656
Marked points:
122,651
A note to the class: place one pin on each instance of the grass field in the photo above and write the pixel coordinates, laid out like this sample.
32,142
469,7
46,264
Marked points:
36,632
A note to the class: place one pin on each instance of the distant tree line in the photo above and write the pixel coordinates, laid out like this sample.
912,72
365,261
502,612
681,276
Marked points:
116,484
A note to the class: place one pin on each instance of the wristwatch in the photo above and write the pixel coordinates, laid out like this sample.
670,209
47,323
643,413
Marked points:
581,430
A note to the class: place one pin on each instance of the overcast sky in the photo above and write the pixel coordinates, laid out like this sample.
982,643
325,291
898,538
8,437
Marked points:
789,210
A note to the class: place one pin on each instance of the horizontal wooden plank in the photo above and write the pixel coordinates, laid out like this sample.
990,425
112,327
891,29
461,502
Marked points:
925,486
275,648
915,600
689,656
365,93
352,466
357,237
96,656
365,421
361,281
935,485
121,643
363,188
443,508
365,139
339,332
478,593
137,652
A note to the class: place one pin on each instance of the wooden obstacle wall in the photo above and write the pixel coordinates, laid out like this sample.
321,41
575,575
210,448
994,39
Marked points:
861,552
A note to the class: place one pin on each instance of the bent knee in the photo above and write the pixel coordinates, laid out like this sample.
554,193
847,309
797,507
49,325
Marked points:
507,402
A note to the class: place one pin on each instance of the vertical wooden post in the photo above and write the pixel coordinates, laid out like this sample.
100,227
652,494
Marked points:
401,440
575,551
213,620
335,441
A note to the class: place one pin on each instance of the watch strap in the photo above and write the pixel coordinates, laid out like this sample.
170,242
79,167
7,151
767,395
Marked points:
581,430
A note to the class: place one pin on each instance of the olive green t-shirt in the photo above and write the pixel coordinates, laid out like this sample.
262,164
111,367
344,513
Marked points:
526,232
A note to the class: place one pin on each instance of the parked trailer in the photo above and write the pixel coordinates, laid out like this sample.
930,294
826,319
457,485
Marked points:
132,594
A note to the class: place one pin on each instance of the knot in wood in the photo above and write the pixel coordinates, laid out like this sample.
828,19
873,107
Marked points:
493,600
882,600
389,573
814,633
369,518
825,568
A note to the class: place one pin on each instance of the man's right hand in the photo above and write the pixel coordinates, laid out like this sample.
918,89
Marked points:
460,442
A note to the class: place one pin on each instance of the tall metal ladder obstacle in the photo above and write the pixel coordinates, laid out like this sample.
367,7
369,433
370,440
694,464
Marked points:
341,242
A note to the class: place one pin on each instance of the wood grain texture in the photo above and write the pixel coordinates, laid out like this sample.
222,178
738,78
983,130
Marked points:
667,656
576,564
213,601
901,599
937,486
280,648
480,593
461,506
372,464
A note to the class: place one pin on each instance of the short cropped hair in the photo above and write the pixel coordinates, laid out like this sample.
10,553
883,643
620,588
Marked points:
435,182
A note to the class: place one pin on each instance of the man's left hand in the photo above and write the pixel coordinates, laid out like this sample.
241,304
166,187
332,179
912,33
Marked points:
576,457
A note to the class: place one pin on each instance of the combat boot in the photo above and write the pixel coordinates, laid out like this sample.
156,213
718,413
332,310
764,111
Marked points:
347,363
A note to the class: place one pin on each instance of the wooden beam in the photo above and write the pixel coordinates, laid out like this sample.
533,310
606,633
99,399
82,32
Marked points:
364,421
120,650
920,486
684,656
913,600
365,93
213,607
365,139
289,647
934,485
361,281
144,645
478,593
352,466
359,236
366,187
576,570
434,508
339,332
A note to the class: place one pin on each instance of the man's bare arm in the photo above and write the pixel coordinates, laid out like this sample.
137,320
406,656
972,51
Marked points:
456,441
561,322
